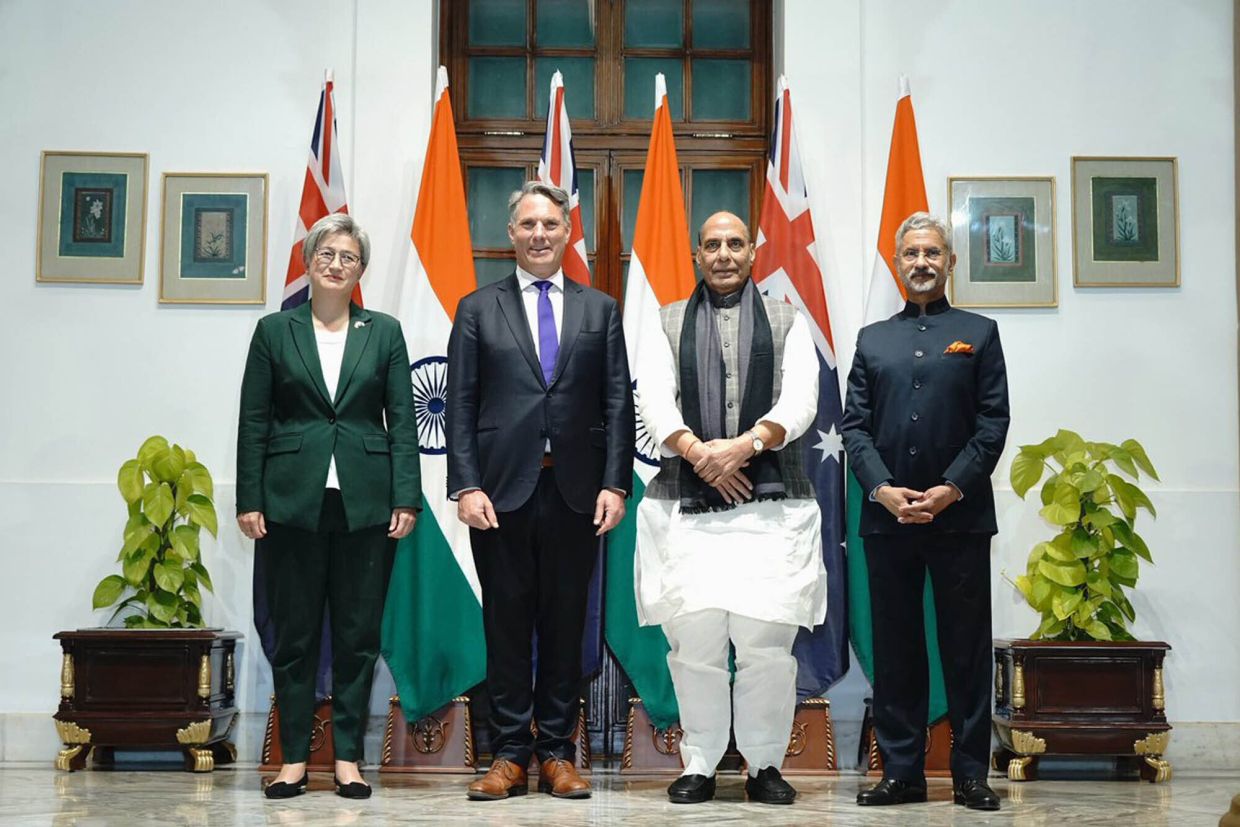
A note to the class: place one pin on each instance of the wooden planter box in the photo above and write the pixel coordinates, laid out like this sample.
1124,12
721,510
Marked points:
1083,698
147,689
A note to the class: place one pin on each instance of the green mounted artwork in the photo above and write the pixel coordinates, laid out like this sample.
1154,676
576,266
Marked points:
1125,218
1003,236
92,217
1125,222
1001,240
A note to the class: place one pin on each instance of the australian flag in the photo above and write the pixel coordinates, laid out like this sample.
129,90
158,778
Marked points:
785,267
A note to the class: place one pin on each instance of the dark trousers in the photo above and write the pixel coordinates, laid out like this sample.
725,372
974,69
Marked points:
348,572
959,566
535,574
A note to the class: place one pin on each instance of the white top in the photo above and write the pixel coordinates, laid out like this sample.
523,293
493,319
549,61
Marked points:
763,559
529,297
331,355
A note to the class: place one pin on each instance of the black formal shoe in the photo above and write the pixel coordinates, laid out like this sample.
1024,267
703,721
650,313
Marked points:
891,791
692,789
975,794
287,789
354,789
769,787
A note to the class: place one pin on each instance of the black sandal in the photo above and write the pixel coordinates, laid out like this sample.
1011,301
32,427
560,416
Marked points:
354,789
287,789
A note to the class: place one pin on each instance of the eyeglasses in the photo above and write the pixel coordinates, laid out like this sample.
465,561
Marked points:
326,255
911,254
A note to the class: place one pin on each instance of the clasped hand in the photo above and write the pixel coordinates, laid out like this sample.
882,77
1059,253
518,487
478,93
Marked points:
719,463
910,506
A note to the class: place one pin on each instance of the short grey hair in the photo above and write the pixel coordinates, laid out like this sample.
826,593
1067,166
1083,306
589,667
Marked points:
556,195
335,223
925,221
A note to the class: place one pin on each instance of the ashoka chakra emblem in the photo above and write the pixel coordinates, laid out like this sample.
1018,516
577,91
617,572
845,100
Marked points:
430,401
644,448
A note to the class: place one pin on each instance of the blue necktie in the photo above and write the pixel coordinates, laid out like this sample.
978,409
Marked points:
548,342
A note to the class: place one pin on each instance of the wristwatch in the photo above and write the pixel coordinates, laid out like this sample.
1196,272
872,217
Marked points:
758,444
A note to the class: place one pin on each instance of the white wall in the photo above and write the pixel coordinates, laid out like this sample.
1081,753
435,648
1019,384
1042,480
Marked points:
999,88
92,371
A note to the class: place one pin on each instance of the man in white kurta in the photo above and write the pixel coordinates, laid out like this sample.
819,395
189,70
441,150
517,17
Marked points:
743,563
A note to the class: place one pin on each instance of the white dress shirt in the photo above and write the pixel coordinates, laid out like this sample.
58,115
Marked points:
761,559
331,356
529,298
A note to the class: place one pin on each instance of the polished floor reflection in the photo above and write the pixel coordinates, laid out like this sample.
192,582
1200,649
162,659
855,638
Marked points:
39,795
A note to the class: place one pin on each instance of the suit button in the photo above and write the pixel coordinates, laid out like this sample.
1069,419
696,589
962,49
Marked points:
919,353
331,420
917,384
548,394
914,417
921,327
913,451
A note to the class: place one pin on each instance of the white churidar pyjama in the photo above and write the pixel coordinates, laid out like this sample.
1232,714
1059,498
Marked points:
763,697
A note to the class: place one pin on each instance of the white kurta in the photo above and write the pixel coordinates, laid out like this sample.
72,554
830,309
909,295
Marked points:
761,559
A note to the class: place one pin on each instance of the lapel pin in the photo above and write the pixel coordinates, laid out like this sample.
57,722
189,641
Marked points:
358,324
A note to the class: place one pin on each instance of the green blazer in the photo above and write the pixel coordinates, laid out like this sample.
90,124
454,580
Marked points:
289,429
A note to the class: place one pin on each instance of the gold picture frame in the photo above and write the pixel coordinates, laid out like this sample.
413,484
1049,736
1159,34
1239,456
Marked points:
213,238
1003,235
92,217
1125,221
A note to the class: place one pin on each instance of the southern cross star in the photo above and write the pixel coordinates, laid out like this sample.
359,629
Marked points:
831,444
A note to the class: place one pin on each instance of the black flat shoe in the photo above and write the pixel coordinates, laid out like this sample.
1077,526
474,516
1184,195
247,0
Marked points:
287,789
975,794
891,791
692,789
354,789
769,787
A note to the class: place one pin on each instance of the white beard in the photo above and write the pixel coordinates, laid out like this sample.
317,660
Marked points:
924,286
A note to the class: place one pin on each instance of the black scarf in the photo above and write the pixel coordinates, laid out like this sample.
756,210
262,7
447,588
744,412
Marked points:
702,401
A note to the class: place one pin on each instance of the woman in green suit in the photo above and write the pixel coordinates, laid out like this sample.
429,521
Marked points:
327,482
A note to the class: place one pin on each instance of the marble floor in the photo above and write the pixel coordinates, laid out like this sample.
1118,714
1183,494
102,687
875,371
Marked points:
38,795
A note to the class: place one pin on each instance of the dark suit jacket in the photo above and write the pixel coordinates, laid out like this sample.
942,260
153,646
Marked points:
500,411
289,428
917,416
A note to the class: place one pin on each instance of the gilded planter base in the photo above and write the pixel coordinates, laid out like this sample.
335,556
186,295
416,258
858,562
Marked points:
1087,699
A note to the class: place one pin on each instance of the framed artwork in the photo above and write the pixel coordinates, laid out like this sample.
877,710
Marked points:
213,242
1003,235
92,217
1125,222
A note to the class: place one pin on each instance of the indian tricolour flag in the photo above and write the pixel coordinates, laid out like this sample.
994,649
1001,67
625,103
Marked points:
903,195
432,623
660,272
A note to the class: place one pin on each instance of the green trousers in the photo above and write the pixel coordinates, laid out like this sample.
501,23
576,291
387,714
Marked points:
346,572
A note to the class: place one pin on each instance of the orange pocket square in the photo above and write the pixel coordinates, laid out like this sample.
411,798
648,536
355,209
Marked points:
959,347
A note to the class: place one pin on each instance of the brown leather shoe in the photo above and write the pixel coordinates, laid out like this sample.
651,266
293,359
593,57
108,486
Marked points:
504,780
559,777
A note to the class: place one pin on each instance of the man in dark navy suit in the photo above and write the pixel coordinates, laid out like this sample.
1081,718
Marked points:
540,429
924,425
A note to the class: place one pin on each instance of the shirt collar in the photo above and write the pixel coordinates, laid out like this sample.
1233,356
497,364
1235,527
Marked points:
912,310
527,279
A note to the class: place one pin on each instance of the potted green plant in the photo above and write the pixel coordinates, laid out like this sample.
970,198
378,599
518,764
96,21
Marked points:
168,493
1081,684
159,680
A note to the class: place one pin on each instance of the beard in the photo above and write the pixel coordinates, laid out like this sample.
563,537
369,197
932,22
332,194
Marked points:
923,286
